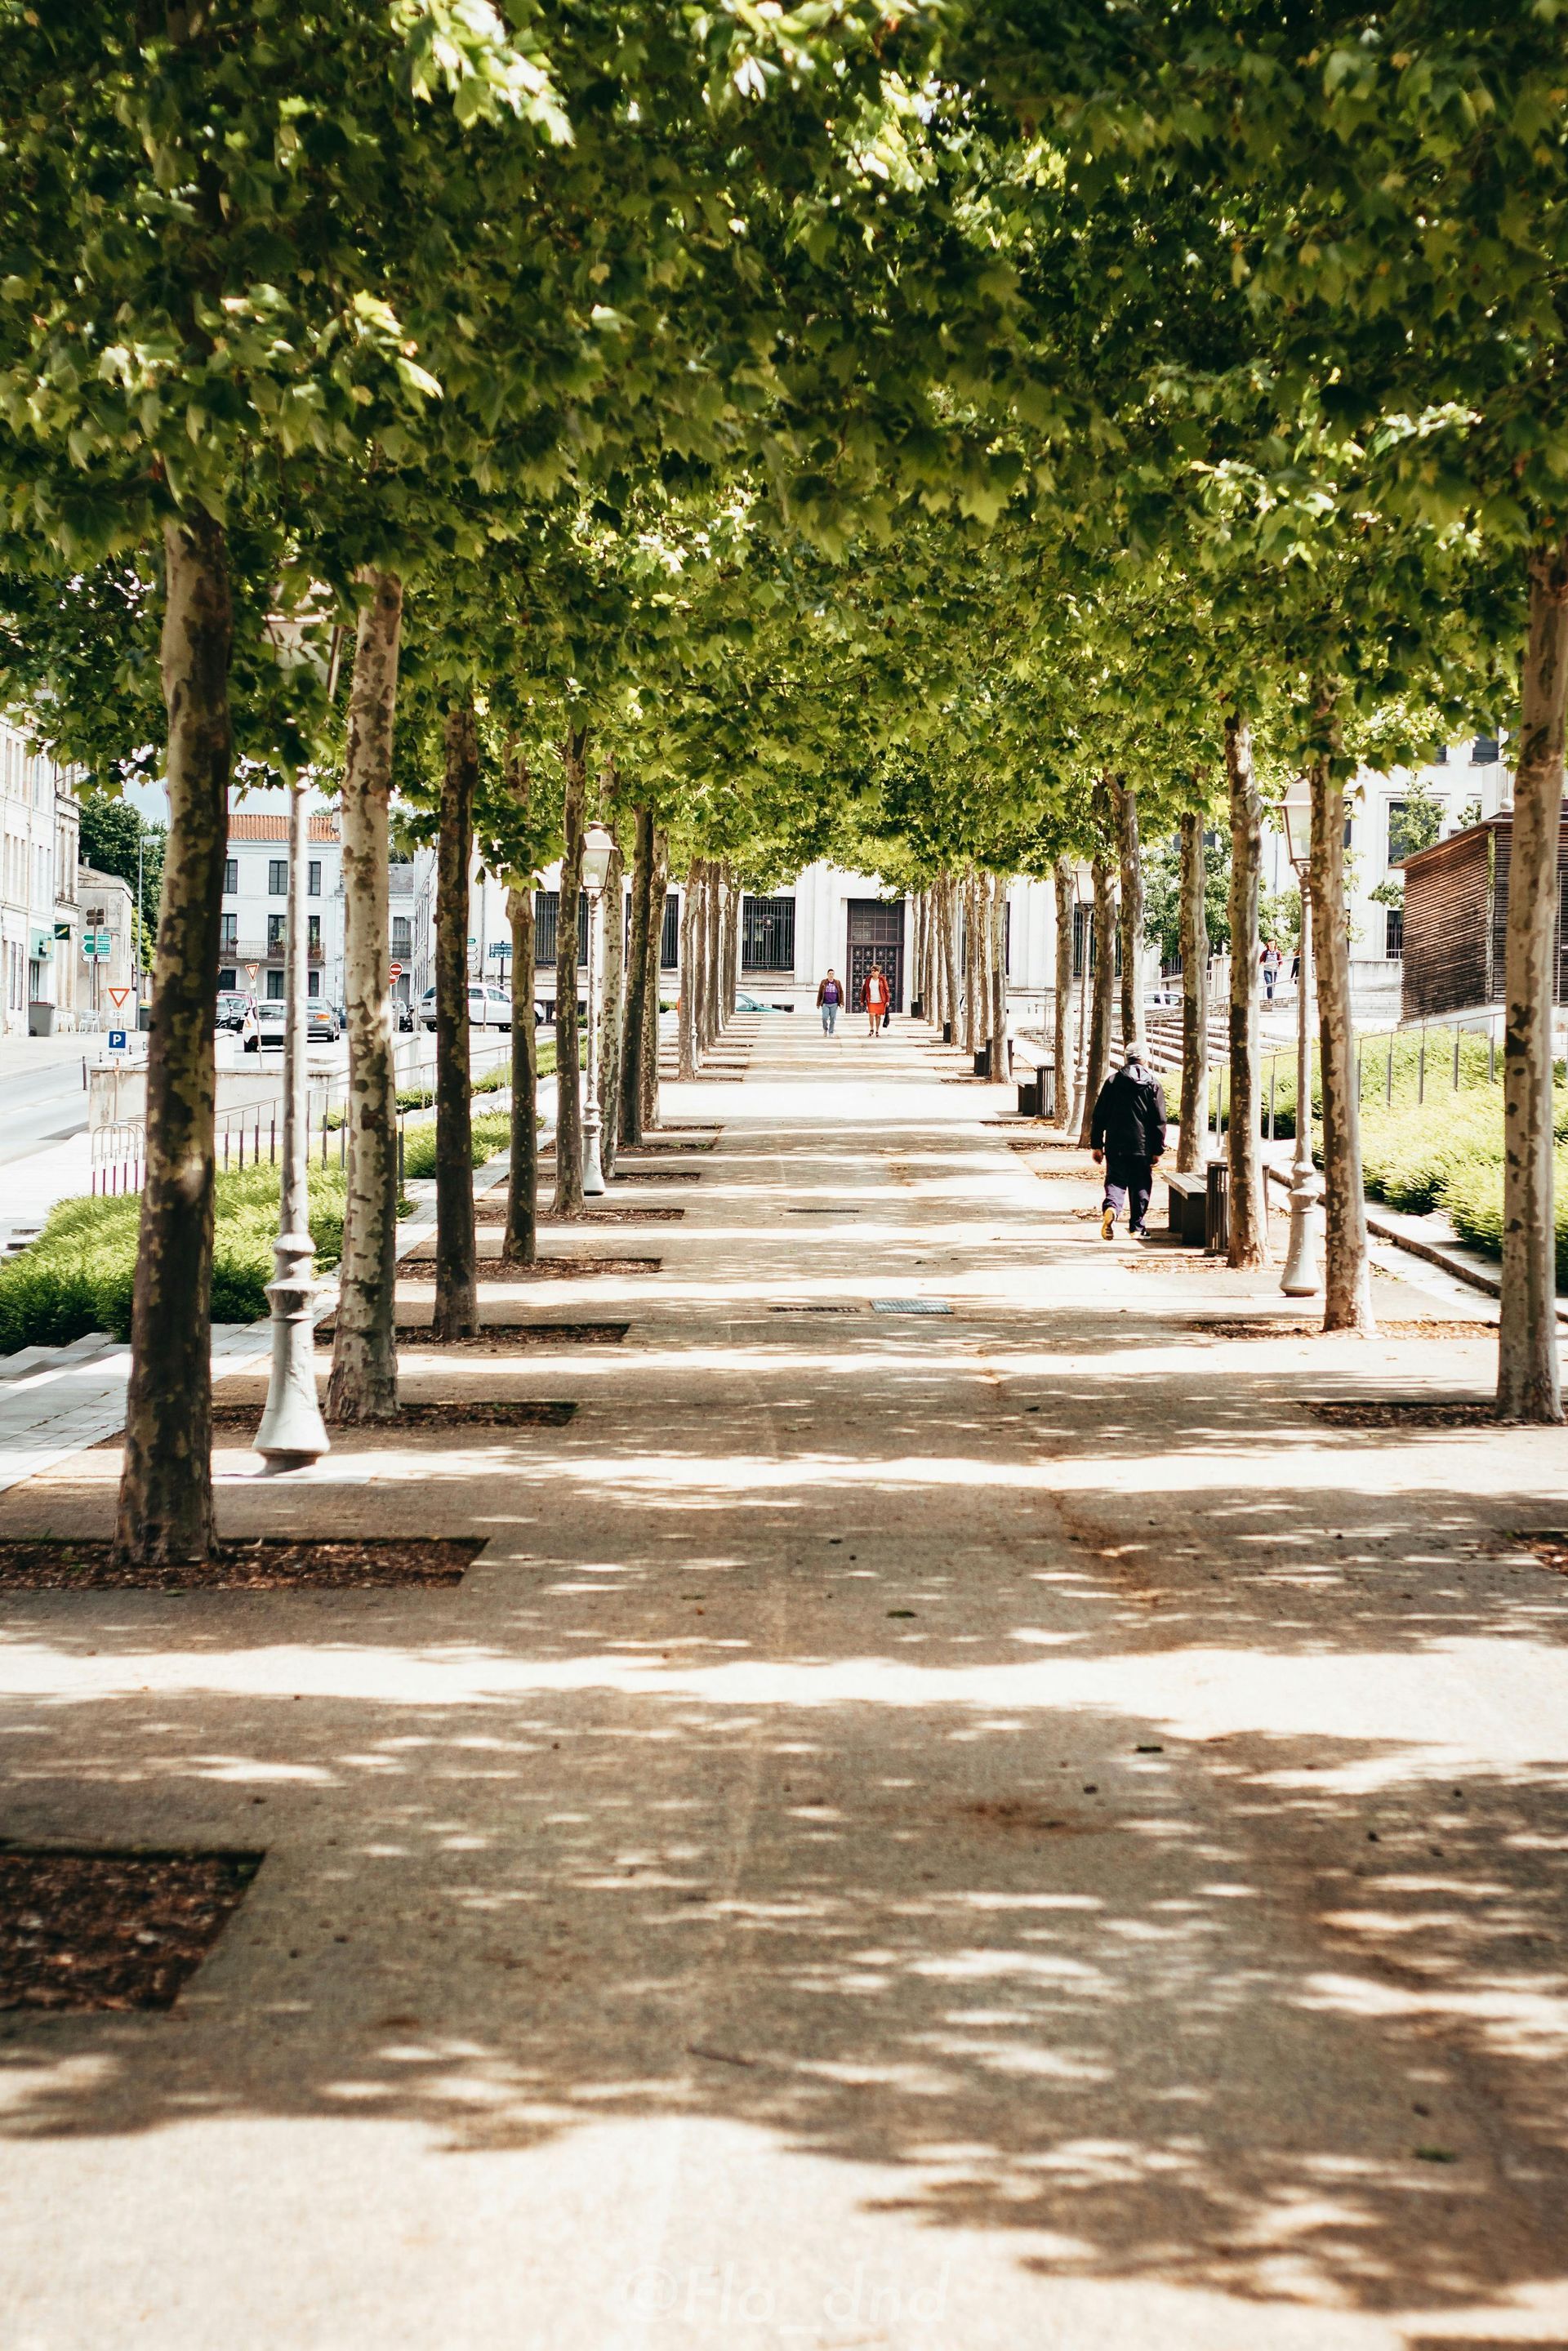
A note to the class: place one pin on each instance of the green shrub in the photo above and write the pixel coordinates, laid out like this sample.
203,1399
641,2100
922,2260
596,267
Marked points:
1473,1197
492,1133
79,1275
1409,1154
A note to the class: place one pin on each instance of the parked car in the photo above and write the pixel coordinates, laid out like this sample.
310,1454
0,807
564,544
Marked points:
271,1018
233,1005
488,1008
755,1004
321,1024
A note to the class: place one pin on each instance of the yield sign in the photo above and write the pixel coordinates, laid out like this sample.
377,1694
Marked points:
117,996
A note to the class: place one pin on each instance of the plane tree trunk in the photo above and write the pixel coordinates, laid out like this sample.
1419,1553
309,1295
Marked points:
1347,1270
1244,1149
1192,1143
635,1046
612,1009
521,1240
567,1056
165,1507
1061,1042
656,965
456,1293
363,1383
1528,1381
1102,998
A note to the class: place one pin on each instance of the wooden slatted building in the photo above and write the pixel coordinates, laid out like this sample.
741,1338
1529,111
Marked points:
1456,920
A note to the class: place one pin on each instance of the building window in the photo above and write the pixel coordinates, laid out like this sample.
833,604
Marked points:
277,877
401,939
1394,933
274,986
1411,828
230,877
768,934
313,878
547,909
229,978
228,933
313,936
274,924
670,936
1484,751
313,983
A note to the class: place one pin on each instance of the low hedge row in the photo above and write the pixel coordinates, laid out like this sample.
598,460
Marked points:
79,1275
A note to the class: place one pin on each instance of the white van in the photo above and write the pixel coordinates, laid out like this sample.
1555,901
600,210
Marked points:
488,1008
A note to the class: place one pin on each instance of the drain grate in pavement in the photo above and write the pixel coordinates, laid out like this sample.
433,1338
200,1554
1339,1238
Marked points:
81,1929
822,1212
436,1412
271,1562
502,1338
812,1309
910,1306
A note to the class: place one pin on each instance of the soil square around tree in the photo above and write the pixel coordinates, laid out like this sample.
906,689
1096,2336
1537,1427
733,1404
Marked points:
428,1411
266,1563
545,1268
111,1930
504,1338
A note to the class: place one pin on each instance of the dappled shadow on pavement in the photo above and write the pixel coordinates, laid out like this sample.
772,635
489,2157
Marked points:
1083,1802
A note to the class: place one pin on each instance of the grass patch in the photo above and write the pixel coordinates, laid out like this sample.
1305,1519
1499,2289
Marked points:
79,1275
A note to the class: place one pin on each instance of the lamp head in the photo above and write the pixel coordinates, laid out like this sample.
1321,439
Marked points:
597,849
1296,815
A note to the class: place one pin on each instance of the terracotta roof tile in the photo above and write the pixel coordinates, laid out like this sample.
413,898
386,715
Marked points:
276,828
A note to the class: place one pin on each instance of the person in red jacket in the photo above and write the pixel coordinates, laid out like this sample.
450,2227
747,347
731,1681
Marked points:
875,995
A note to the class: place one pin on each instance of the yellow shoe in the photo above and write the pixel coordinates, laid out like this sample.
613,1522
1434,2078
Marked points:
1107,1224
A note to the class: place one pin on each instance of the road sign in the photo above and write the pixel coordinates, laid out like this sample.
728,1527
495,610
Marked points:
396,971
250,971
95,945
119,997
119,1041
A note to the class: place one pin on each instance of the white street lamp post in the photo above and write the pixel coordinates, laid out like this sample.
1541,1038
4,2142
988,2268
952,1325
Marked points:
1300,1279
292,1432
597,850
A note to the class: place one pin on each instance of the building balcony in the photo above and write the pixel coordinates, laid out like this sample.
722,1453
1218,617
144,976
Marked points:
255,951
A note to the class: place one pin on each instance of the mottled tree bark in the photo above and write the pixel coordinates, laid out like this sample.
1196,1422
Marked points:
733,895
635,1046
656,965
686,1018
1103,999
1062,1040
521,1240
456,1315
1249,1210
1528,1378
363,1385
568,1054
1192,1143
166,1509
974,966
1130,861
1001,1058
613,1006
1347,1271
712,991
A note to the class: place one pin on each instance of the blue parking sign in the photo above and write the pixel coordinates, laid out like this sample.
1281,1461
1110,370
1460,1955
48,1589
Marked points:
117,1042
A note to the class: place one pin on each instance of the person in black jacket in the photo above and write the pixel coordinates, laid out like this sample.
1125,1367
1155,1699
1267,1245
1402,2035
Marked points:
1128,1132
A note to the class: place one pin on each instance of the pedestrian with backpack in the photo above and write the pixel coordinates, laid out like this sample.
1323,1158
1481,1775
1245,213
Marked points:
1128,1133
830,995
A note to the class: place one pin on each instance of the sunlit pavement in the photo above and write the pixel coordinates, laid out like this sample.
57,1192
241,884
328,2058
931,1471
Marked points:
994,1828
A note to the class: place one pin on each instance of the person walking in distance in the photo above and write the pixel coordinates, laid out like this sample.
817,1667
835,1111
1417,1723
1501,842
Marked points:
1128,1133
830,995
875,995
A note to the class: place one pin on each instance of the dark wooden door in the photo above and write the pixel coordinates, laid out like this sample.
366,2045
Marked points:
875,935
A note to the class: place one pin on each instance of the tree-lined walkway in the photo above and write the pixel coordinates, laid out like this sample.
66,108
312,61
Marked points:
921,1828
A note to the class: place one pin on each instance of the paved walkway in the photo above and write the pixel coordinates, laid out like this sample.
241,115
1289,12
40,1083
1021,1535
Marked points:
962,1829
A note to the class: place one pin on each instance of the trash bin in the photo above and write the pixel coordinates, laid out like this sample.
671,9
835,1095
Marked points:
1029,1096
947,1032
1217,1210
40,1020
982,1060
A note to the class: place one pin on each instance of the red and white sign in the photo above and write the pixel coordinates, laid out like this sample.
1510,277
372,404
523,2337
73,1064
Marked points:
119,995
396,971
